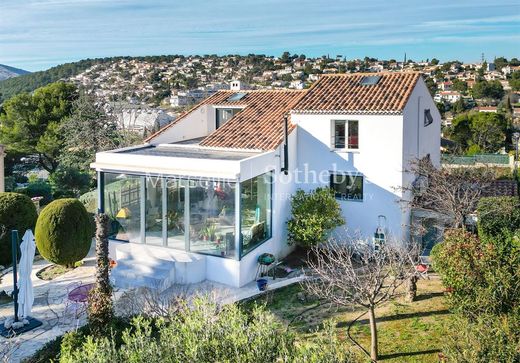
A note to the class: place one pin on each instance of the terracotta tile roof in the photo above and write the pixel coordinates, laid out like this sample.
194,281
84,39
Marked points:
343,93
499,188
260,125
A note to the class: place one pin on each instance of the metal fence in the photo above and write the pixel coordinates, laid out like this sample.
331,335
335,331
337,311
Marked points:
496,159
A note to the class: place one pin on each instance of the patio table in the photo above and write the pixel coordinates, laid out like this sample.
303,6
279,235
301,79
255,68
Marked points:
80,293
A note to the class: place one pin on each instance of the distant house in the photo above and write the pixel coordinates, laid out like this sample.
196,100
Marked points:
491,109
313,77
208,194
298,84
446,86
138,118
449,96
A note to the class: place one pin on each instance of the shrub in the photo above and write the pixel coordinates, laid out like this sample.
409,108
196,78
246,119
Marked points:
90,202
64,232
204,332
17,211
498,214
38,189
483,274
69,182
10,183
486,339
314,215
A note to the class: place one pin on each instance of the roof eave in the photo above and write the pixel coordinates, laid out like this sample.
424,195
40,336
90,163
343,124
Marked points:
347,112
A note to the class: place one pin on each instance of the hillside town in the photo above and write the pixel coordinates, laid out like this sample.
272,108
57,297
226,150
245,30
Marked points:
152,93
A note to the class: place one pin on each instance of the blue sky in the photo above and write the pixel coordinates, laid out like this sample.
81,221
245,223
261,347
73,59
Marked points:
37,34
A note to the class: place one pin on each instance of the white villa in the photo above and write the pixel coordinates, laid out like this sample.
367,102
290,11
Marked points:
210,192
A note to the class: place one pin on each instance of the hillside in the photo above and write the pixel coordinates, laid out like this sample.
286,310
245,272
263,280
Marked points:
10,72
30,81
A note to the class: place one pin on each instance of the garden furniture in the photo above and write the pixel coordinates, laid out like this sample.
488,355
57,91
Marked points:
77,297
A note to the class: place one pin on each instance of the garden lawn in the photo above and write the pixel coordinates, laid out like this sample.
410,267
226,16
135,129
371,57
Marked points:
408,332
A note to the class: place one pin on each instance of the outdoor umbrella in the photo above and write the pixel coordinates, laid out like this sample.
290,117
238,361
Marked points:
25,288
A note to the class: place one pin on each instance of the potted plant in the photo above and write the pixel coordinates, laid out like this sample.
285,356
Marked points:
207,232
203,233
174,220
211,230
261,284
220,243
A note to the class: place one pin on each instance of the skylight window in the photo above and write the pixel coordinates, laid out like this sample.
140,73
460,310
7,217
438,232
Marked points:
236,96
369,80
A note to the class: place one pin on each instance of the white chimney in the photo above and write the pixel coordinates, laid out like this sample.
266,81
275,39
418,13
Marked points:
236,85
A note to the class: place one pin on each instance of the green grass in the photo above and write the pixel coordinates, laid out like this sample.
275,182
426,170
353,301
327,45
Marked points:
408,332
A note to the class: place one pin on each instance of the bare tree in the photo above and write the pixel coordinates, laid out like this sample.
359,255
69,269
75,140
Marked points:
452,193
355,272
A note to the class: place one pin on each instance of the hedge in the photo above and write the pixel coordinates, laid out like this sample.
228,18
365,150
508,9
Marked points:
17,211
64,232
496,214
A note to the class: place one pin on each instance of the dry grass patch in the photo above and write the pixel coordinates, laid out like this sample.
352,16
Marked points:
408,332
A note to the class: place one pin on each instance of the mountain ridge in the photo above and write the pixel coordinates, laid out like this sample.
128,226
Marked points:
7,72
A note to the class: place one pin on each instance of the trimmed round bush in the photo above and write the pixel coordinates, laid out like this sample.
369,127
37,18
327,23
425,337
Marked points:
64,232
17,211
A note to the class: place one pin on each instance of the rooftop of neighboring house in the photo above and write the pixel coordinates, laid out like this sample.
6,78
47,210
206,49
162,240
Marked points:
447,93
487,109
260,123
499,188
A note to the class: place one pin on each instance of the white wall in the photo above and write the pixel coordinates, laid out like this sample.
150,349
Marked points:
419,140
164,165
223,270
198,123
379,159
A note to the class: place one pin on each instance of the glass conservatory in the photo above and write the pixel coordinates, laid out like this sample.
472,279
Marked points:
213,217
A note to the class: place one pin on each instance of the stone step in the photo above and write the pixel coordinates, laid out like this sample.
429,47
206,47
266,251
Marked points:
188,267
158,274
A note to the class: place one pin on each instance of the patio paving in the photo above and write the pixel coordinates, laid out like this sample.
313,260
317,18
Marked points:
50,298
48,307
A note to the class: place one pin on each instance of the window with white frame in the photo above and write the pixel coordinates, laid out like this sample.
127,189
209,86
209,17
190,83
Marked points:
347,186
345,134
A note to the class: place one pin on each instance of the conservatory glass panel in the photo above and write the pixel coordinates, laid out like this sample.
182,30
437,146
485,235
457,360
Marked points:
255,226
154,212
212,217
122,203
175,230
